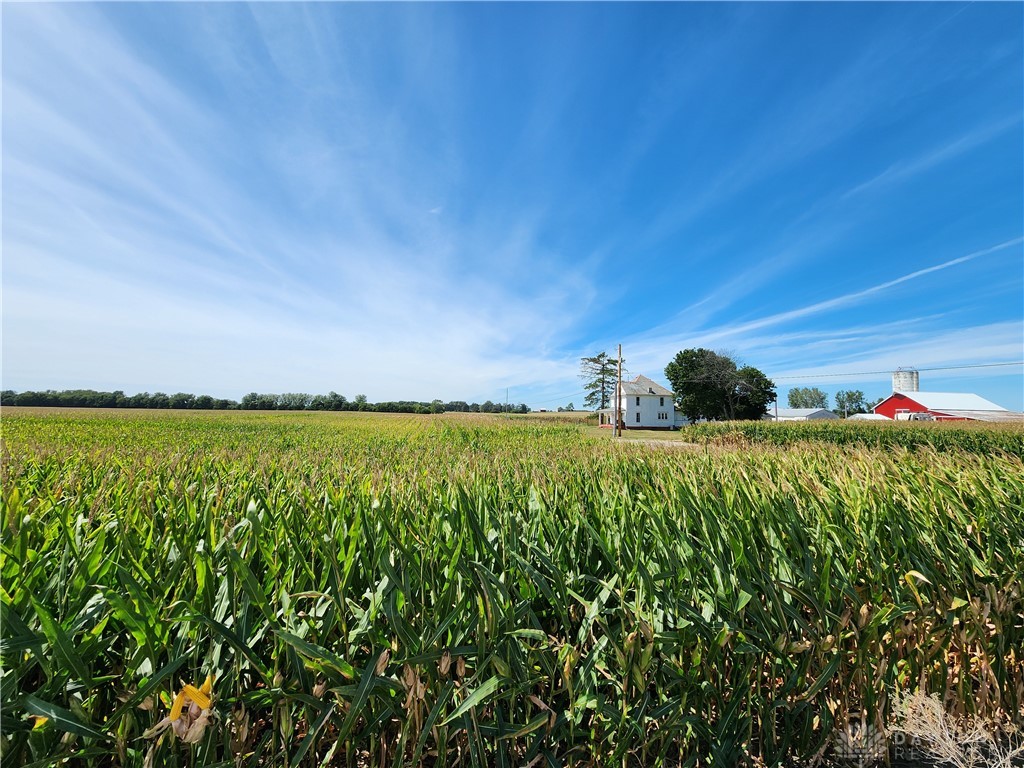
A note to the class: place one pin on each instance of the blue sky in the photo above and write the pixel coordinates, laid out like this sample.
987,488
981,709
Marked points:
445,200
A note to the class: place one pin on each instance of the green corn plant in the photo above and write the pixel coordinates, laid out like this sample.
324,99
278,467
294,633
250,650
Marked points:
476,591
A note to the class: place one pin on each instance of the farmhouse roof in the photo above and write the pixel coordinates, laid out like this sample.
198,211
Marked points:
641,385
956,401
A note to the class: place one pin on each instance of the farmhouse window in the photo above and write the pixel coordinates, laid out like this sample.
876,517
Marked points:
662,403
638,418
638,401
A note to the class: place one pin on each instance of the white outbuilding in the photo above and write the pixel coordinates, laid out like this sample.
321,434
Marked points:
800,414
868,417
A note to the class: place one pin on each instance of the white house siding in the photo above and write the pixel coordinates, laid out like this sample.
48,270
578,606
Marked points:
648,409
642,402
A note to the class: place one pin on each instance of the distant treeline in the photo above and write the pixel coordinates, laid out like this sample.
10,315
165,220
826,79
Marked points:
289,401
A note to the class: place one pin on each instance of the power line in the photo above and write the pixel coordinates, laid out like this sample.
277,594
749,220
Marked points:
557,399
887,372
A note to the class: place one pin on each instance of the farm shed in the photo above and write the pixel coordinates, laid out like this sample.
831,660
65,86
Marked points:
868,417
943,406
644,404
800,414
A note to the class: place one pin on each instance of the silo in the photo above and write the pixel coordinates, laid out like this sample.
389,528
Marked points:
905,380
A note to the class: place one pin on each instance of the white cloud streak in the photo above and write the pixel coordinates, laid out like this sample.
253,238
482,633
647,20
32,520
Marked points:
150,243
906,169
857,297
167,272
730,334
924,340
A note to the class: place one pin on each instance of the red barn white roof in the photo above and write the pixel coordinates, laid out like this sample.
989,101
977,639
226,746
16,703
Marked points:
952,401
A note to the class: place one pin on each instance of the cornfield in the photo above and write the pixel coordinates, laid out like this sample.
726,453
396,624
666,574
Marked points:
362,590
975,437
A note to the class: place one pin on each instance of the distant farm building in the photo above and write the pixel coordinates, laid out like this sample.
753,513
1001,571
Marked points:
868,417
942,406
907,403
800,414
644,404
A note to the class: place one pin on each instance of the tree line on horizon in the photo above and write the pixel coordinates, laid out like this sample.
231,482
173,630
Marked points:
254,401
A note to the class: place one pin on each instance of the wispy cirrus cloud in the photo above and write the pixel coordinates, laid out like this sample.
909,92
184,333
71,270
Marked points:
924,347
198,275
857,297
904,170
420,201
840,348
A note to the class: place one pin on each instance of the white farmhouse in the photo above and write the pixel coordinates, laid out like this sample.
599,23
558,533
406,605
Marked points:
644,404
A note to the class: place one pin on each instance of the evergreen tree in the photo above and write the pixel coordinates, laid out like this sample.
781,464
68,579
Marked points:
599,374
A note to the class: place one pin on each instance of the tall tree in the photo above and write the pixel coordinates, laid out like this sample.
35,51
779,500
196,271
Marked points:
182,400
710,385
294,401
807,397
599,374
754,392
851,401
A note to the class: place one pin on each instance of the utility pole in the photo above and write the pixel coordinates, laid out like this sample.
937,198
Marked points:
617,431
776,409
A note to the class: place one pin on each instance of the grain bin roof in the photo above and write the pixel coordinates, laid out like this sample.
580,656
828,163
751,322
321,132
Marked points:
641,385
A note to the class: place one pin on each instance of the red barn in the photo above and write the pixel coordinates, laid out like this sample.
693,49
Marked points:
943,406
